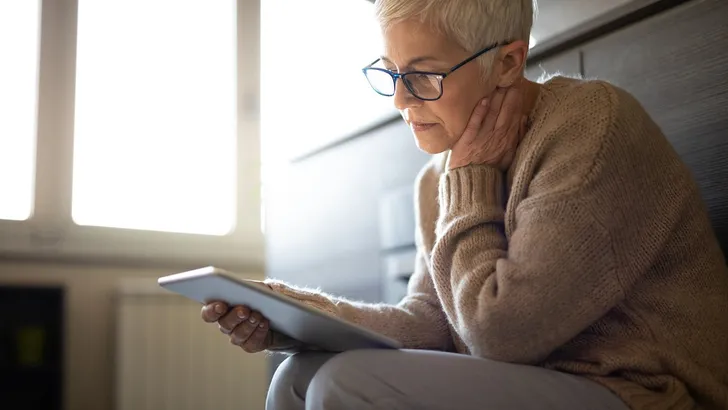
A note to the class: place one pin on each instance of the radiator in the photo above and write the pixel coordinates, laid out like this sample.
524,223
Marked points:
167,358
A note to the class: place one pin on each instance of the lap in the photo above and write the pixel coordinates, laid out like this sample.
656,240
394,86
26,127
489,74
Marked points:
409,379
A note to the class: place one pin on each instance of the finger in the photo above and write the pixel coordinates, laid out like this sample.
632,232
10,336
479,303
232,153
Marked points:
496,101
242,332
514,129
212,311
510,111
258,341
234,317
475,122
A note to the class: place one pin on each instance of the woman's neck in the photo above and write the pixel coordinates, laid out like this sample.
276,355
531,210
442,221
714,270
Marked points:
531,92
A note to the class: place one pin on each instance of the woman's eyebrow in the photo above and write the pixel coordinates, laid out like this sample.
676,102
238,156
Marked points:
414,60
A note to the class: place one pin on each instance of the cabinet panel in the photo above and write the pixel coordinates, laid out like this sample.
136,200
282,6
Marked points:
322,215
676,65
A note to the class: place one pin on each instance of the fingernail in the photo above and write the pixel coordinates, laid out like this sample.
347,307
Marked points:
218,309
484,101
261,325
241,314
252,320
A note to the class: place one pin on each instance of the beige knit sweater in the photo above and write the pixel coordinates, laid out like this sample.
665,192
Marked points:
593,255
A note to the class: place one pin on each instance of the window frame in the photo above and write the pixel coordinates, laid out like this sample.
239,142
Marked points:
50,232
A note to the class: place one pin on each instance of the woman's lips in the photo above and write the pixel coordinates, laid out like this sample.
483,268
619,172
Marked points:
422,126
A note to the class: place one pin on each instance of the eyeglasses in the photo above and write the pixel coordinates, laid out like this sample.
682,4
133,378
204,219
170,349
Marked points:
426,86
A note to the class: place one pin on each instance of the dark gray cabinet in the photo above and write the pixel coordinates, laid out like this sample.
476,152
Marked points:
676,65
323,213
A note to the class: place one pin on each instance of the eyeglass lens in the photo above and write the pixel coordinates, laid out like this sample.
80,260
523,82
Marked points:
424,86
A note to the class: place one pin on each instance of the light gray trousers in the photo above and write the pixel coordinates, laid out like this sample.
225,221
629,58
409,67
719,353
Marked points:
419,379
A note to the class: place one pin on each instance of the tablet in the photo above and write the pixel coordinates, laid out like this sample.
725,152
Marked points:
286,315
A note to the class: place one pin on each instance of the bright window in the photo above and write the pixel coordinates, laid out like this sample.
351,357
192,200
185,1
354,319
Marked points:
313,90
155,116
19,48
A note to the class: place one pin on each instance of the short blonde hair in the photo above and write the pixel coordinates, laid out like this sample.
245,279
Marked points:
473,24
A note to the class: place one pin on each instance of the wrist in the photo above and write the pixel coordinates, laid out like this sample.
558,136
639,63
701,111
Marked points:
463,187
311,297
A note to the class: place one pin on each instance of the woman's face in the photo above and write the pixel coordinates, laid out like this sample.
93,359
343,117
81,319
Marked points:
436,125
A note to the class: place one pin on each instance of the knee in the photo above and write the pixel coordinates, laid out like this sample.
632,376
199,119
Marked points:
287,390
344,366
282,392
345,380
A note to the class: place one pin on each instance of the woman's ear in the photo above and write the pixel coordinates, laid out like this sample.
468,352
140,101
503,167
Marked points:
513,62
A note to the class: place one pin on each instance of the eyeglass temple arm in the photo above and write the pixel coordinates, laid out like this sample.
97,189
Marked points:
473,57
373,62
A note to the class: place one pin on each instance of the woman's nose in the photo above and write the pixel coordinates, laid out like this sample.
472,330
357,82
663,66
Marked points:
403,98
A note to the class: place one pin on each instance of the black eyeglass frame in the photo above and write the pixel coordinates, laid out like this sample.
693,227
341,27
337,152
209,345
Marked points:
440,76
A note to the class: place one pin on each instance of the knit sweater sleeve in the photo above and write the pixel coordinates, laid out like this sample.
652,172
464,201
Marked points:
519,299
417,321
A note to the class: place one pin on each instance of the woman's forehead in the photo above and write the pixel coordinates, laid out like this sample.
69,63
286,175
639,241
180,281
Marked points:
410,42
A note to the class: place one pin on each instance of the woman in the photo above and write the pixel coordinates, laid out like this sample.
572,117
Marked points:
565,259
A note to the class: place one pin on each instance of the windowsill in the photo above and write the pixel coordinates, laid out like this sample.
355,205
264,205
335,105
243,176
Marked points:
118,247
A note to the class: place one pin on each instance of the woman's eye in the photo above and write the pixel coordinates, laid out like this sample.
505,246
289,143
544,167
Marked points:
422,77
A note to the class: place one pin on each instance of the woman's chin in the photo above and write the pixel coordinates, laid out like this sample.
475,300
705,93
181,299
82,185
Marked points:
430,145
